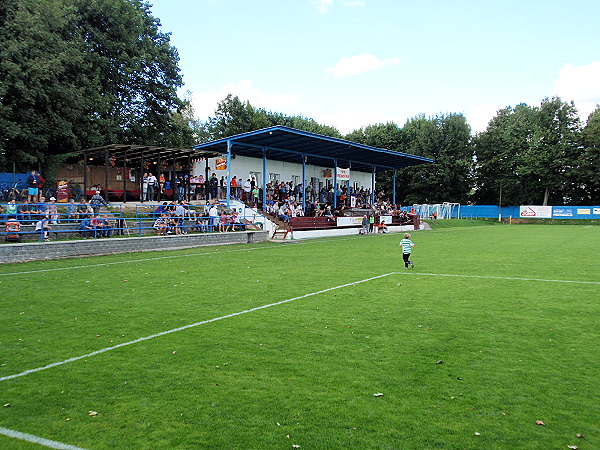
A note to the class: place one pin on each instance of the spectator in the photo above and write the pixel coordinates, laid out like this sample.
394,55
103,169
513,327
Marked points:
42,208
96,202
246,190
26,211
84,209
382,226
106,226
11,209
365,225
223,222
71,211
222,187
12,229
86,229
33,185
255,195
53,211
178,216
213,184
144,187
234,187
213,214
151,189
43,227
161,225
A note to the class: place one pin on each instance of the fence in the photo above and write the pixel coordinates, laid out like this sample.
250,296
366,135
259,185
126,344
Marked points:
527,211
28,222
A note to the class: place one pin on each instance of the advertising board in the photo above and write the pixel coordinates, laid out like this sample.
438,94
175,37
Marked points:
536,212
559,211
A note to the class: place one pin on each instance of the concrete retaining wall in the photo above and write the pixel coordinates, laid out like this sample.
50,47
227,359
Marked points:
35,251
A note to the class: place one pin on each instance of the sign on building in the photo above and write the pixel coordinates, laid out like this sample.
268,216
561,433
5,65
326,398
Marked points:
343,174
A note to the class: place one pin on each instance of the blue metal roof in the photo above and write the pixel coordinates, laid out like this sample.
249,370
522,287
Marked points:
290,144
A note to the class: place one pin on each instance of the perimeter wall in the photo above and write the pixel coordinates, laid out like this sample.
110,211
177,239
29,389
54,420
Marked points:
35,251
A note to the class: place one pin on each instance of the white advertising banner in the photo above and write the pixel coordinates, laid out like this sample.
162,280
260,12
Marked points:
596,210
584,211
537,212
344,221
343,174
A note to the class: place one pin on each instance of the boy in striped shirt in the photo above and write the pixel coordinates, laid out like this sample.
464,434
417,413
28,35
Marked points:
407,246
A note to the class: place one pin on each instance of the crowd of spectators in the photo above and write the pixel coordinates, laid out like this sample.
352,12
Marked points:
179,217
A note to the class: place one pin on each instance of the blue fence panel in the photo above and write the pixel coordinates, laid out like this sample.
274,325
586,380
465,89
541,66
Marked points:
11,178
492,211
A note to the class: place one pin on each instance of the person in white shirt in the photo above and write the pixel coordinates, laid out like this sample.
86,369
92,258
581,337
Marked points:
144,187
247,188
151,187
213,214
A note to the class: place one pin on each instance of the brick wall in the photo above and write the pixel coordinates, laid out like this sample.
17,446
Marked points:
35,251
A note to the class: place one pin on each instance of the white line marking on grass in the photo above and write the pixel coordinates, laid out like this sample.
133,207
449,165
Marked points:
142,260
496,278
36,439
185,327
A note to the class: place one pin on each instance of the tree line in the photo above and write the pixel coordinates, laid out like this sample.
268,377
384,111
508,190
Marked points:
76,74
527,155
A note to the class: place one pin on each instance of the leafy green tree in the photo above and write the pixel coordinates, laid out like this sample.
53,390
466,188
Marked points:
81,73
497,154
585,173
552,149
526,154
234,116
447,139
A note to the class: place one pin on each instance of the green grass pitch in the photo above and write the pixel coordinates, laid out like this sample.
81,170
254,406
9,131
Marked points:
463,362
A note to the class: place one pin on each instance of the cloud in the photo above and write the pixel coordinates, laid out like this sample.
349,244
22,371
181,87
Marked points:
354,3
580,84
323,6
479,116
359,64
205,103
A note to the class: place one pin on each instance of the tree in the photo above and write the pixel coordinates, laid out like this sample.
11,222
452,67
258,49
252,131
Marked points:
447,139
81,73
527,154
233,116
497,155
552,149
585,173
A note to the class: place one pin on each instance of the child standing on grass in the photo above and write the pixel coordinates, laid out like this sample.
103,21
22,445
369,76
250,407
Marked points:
407,246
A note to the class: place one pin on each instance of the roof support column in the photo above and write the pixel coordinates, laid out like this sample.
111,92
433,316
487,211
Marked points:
373,185
141,180
158,167
188,180
228,173
85,179
264,196
348,196
303,192
106,174
394,188
125,176
335,166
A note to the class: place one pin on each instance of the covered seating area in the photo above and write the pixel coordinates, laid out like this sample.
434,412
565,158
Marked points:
118,168
292,145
